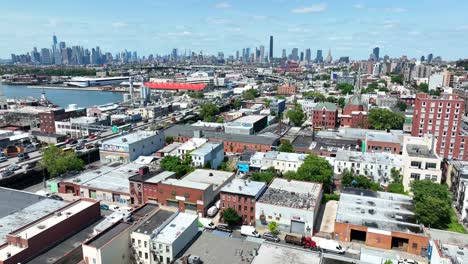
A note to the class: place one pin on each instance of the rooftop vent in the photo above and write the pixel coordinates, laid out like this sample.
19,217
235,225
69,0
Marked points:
211,174
124,140
41,226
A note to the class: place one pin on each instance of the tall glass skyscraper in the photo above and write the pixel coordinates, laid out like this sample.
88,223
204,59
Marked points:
271,47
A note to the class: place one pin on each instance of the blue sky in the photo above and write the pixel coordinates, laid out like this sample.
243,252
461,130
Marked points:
347,27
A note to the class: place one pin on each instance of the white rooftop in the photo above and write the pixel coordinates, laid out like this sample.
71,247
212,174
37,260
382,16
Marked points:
206,148
296,186
245,187
278,254
187,184
161,177
215,177
175,228
193,143
125,140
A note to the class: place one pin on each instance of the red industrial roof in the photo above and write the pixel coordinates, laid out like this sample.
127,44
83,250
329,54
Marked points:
175,86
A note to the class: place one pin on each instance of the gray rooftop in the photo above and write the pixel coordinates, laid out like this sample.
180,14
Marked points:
326,105
370,157
215,177
380,210
107,235
213,249
280,254
245,187
154,221
385,137
420,151
19,208
206,148
125,140
293,194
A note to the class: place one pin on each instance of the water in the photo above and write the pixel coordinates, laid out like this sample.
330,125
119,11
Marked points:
62,97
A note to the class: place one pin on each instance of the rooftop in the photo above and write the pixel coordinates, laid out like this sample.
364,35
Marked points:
107,235
420,151
384,137
380,210
174,228
369,157
154,221
213,249
448,237
193,143
326,105
215,177
279,254
245,187
126,140
170,148
246,120
206,148
293,194
187,184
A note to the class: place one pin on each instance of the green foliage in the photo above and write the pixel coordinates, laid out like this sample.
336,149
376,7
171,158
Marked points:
169,140
209,111
332,99
326,85
286,146
329,197
382,119
397,79
175,164
325,77
396,186
56,71
296,115
388,262
314,95
342,102
361,182
371,88
423,87
198,95
267,102
435,92
250,94
454,226
281,96
56,162
224,166
345,88
264,176
402,106
230,216
428,196
273,227
220,120
314,169
236,103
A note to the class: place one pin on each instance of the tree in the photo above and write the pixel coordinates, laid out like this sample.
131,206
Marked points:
286,146
331,99
329,197
250,94
397,79
429,196
267,102
314,169
382,119
273,227
396,186
348,179
402,106
388,262
342,102
264,176
220,120
371,88
435,92
314,95
209,111
236,103
169,140
196,95
345,88
175,164
230,216
56,162
423,87
296,115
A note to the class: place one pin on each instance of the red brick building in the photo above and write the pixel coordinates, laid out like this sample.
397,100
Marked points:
383,142
325,115
47,119
354,114
241,195
144,186
287,89
441,117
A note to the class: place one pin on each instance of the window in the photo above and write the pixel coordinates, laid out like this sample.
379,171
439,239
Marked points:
133,241
139,242
415,176
146,255
139,254
145,244
415,245
167,248
434,178
430,165
416,164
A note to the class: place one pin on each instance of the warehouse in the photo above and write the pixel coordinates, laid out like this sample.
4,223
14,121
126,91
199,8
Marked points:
247,125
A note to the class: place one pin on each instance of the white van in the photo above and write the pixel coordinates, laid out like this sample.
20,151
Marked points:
206,223
328,245
249,231
212,211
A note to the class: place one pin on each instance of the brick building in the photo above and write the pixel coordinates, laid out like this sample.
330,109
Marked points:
287,89
325,115
241,195
144,185
195,192
441,117
47,119
383,142
354,114
379,219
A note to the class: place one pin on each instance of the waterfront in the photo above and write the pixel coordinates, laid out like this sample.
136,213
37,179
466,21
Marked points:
62,97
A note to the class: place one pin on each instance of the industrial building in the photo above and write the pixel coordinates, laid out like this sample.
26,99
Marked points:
380,219
129,147
293,205
246,125
144,186
175,86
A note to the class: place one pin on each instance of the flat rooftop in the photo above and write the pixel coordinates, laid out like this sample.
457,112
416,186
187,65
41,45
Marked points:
193,143
249,119
370,157
187,184
154,221
245,187
420,151
292,194
126,140
380,210
279,254
448,237
174,228
171,147
107,235
19,208
385,137
213,249
206,148
153,176
214,177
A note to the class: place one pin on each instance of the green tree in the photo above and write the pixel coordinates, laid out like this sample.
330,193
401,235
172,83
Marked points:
236,103
331,99
286,146
314,95
342,102
281,96
423,87
296,115
435,92
177,165
345,88
329,197
397,79
231,217
169,140
56,162
325,77
348,179
267,102
273,227
402,106
314,169
196,95
382,119
428,196
371,88
220,120
209,111
265,176
250,94
326,85
388,262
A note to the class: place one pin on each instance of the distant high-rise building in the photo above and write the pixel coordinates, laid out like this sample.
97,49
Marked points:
329,57
376,52
319,57
283,54
295,54
45,56
262,54
344,60
271,47
422,58
308,55
430,57
302,56
174,54
237,55
62,45
247,54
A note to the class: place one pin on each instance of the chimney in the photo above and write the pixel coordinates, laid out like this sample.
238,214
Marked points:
143,170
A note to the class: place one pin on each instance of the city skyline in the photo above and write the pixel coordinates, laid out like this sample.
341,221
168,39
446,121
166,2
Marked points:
351,29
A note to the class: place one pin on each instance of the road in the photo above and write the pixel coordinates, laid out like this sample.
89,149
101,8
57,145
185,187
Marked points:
37,155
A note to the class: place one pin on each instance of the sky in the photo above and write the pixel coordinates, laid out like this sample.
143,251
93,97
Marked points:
346,27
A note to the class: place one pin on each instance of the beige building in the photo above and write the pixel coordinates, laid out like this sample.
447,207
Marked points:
420,161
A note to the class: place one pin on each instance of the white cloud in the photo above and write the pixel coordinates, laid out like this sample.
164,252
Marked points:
310,9
119,24
223,5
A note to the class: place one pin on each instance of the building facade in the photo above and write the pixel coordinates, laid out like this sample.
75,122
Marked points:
325,115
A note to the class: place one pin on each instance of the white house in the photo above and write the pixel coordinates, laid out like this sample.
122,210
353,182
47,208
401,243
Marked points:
209,153
281,161
189,146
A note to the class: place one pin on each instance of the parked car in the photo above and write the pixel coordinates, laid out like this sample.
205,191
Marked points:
104,207
3,159
23,156
7,173
247,230
31,165
212,211
270,237
79,147
13,167
55,197
125,209
224,228
206,223
114,207
91,136
407,261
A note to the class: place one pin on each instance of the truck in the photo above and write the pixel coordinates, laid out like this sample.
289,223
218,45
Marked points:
247,230
212,211
206,223
306,242
328,245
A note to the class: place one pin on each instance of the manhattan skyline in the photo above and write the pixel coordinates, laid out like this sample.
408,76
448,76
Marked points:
349,29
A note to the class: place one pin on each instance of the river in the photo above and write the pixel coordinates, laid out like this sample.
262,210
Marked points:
62,97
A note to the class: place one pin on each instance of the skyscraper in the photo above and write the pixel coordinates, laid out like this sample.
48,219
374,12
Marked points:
430,57
319,57
45,56
283,54
247,54
329,57
376,52
308,55
54,49
302,56
271,47
294,54
262,54
237,55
